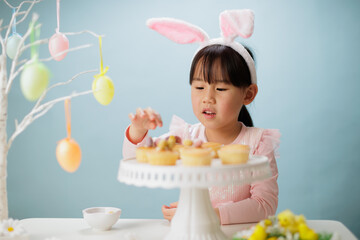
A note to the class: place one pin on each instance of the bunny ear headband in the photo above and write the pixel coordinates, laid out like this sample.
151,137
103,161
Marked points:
233,23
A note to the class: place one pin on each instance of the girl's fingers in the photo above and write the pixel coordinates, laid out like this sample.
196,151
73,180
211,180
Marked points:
158,120
167,218
142,118
140,112
154,117
132,116
174,204
152,125
165,212
150,112
169,213
146,118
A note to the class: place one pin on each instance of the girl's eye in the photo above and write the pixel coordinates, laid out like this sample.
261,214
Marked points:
221,89
199,88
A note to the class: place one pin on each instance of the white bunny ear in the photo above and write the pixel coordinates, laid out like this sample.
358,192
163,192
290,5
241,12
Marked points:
235,23
177,30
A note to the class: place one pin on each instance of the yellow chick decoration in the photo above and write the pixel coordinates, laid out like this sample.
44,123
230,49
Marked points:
307,233
286,219
259,233
289,221
267,222
299,219
285,225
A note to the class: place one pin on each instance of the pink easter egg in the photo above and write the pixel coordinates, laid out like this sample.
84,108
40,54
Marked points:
57,44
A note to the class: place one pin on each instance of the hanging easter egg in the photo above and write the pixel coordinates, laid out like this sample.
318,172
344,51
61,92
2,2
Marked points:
57,44
33,80
13,44
103,89
68,154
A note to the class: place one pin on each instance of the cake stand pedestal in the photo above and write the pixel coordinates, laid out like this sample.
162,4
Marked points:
195,218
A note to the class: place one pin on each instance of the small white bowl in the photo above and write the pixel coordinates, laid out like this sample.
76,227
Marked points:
101,218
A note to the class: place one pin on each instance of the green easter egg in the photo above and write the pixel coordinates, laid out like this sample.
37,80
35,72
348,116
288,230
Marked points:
34,80
103,89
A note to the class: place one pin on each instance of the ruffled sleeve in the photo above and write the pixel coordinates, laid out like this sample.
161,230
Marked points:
178,127
269,142
268,146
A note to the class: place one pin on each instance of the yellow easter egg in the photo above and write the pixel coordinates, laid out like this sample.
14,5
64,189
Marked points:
34,80
68,154
103,89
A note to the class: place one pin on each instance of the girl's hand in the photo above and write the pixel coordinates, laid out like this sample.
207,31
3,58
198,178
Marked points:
141,122
169,211
217,212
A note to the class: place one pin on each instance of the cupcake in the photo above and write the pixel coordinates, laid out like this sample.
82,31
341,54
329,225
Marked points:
163,154
234,154
195,155
141,152
214,146
162,157
187,143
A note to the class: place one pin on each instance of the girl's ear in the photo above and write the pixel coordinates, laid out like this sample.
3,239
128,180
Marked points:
250,94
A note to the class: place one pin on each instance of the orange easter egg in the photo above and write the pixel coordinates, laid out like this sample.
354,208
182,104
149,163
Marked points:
68,154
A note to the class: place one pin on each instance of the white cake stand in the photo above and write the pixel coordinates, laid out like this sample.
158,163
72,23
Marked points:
195,218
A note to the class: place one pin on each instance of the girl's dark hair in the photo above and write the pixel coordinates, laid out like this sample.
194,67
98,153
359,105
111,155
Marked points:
235,70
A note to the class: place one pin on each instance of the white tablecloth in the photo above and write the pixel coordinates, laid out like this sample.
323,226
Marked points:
139,229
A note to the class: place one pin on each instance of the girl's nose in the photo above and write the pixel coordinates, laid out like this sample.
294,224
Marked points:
209,97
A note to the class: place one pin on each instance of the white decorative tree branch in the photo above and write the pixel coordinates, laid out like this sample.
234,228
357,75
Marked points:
84,31
1,38
17,13
15,63
19,52
39,110
13,75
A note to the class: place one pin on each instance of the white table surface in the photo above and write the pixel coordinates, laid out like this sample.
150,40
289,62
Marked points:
139,229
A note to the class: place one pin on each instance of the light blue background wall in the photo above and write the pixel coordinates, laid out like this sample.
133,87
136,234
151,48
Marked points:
307,55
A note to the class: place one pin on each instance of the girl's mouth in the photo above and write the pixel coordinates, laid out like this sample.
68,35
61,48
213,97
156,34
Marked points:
208,114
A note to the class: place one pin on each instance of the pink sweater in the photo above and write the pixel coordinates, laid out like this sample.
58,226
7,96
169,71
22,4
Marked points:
237,204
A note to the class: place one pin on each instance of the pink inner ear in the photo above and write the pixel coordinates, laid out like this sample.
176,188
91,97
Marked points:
237,23
177,31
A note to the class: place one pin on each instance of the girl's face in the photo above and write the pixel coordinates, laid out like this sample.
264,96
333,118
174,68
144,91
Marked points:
217,105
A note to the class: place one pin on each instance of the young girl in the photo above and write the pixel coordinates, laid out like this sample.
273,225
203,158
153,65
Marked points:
223,81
